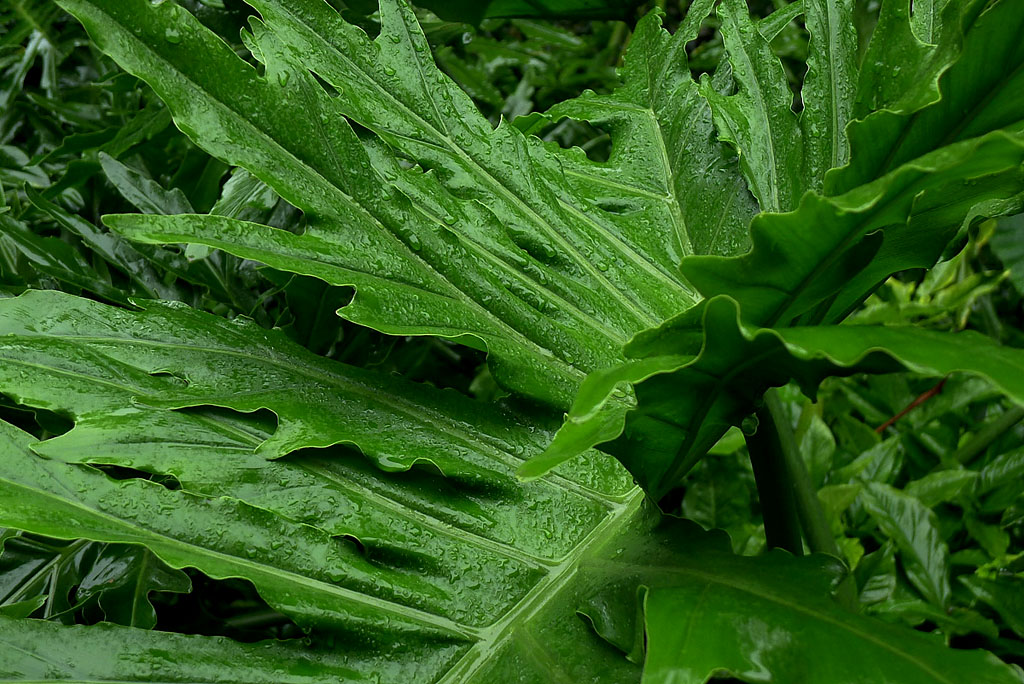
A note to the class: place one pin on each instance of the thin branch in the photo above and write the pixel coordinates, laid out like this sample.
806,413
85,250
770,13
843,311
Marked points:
925,396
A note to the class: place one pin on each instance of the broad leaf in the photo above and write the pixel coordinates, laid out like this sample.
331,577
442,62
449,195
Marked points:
40,651
328,539
913,527
981,92
758,119
691,180
454,601
705,612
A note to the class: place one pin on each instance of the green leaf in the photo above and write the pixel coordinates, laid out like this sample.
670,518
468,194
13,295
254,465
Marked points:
488,249
489,616
60,352
1004,595
691,181
138,265
940,486
759,118
827,92
706,612
863,236
147,195
1008,245
56,258
913,527
444,560
980,93
473,11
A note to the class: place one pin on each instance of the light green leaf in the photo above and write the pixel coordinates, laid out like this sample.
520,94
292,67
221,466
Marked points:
914,528
940,486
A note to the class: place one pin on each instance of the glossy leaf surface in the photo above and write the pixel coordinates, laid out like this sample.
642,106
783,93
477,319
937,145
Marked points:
492,248
328,539
758,619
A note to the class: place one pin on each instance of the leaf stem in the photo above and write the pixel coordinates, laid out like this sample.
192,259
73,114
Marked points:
815,526
934,391
778,507
812,516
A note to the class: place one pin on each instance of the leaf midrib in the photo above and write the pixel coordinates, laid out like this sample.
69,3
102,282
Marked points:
492,638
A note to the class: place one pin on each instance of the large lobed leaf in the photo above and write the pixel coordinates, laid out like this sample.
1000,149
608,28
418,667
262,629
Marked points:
491,246
437,566
725,366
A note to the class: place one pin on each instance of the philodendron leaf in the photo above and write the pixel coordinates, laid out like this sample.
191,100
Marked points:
901,221
980,93
435,557
60,352
816,263
493,247
659,110
473,11
701,373
758,119
706,612
422,595
827,93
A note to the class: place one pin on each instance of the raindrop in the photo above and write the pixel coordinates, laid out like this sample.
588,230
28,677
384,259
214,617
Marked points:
173,36
282,78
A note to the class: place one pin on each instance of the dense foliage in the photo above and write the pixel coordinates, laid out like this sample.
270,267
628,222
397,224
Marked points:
298,293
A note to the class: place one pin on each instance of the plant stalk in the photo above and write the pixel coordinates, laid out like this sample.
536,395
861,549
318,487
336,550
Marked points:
778,507
815,526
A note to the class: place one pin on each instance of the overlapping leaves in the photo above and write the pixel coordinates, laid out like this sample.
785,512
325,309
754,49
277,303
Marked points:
797,276
447,226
